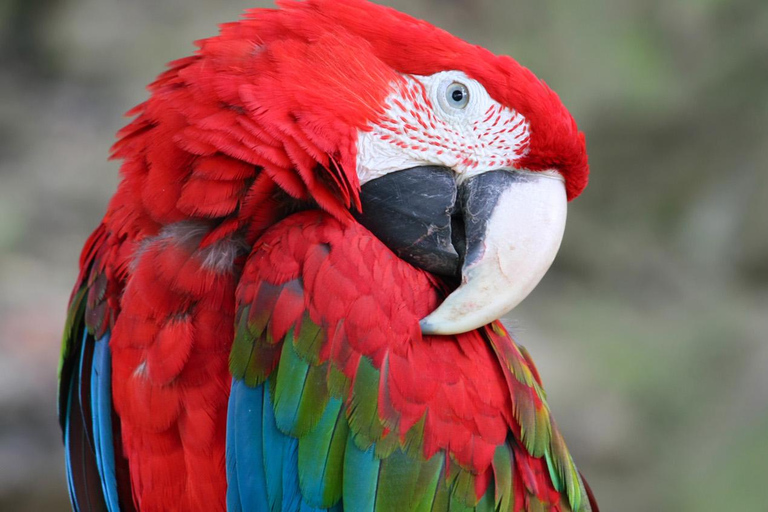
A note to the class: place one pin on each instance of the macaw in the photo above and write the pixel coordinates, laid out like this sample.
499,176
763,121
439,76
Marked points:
292,301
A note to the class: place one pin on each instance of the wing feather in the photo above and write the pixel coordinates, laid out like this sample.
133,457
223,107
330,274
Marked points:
95,471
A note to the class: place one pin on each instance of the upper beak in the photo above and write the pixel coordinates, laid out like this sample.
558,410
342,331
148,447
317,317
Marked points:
514,223
501,229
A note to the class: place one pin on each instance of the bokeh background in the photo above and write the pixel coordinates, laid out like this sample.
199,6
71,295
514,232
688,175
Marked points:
650,330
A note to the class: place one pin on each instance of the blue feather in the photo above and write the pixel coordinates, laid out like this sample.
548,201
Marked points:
234,501
315,450
274,447
245,450
291,493
101,413
306,507
70,483
361,477
262,462
76,378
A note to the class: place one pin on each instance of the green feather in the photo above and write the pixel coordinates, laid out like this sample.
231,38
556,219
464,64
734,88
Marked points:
313,400
241,346
321,458
463,495
566,470
442,493
527,356
250,358
338,383
291,377
414,438
74,319
521,371
580,501
557,483
502,471
535,426
301,392
310,340
387,445
535,505
264,301
426,486
363,410
486,503
397,479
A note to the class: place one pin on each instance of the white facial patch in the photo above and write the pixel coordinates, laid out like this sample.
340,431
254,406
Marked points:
429,120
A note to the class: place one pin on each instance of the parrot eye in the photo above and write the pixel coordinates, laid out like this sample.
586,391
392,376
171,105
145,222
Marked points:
457,95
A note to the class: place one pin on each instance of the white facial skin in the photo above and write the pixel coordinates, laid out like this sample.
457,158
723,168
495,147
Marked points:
449,120
424,125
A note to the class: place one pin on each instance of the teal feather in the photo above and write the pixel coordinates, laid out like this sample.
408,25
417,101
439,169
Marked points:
246,477
292,498
321,457
289,387
361,471
274,443
554,476
301,391
101,411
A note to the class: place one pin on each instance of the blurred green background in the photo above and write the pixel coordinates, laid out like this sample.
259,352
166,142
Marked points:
650,329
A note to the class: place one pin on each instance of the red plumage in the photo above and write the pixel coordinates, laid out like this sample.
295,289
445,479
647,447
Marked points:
262,121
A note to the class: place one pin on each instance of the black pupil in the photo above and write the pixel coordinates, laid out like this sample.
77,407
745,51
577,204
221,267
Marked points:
457,95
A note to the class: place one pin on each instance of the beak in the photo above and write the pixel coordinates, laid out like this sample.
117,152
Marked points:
514,223
501,229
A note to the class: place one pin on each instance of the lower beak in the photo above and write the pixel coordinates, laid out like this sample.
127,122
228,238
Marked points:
500,230
514,223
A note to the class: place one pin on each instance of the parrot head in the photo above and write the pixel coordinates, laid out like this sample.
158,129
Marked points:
461,161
